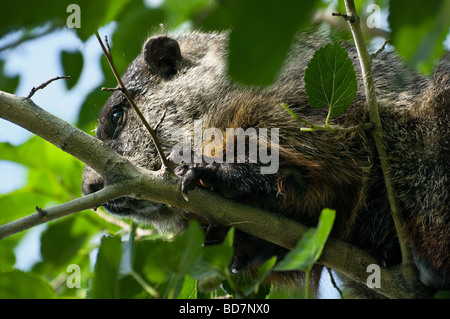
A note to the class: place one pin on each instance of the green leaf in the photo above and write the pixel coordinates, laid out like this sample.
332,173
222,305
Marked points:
20,203
168,262
92,105
263,271
189,290
26,14
210,282
261,37
95,14
330,79
17,284
310,246
214,264
215,260
217,16
72,63
286,292
419,29
182,10
7,256
229,239
131,21
105,283
442,294
58,242
52,171
8,84
185,250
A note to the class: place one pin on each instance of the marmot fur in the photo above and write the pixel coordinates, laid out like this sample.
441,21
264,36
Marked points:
186,77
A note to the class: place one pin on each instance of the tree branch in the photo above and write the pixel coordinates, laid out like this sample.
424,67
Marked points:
122,177
45,215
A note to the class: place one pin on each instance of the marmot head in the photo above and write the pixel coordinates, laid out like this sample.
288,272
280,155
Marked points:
173,82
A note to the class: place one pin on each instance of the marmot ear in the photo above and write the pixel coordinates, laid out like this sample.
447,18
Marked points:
161,55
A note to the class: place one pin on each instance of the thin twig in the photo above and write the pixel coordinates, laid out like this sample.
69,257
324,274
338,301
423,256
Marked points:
375,54
366,68
160,120
42,216
112,89
346,17
333,282
43,85
106,50
313,127
108,47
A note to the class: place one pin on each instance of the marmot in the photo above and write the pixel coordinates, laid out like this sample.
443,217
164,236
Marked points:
185,76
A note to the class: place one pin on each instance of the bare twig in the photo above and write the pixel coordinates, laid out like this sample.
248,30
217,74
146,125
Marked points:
325,15
333,282
346,17
108,47
43,85
160,120
106,50
375,54
42,216
112,89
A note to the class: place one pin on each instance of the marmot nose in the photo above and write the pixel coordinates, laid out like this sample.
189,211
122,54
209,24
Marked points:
92,181
90,188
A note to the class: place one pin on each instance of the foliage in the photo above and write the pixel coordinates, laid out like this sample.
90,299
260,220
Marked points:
330,79
309,247
251,42
429,24
112,263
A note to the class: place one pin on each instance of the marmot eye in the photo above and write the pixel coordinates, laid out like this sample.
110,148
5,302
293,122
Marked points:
117,117
117,120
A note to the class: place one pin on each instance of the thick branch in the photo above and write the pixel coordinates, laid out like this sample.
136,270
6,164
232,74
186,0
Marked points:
124,178
366,68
